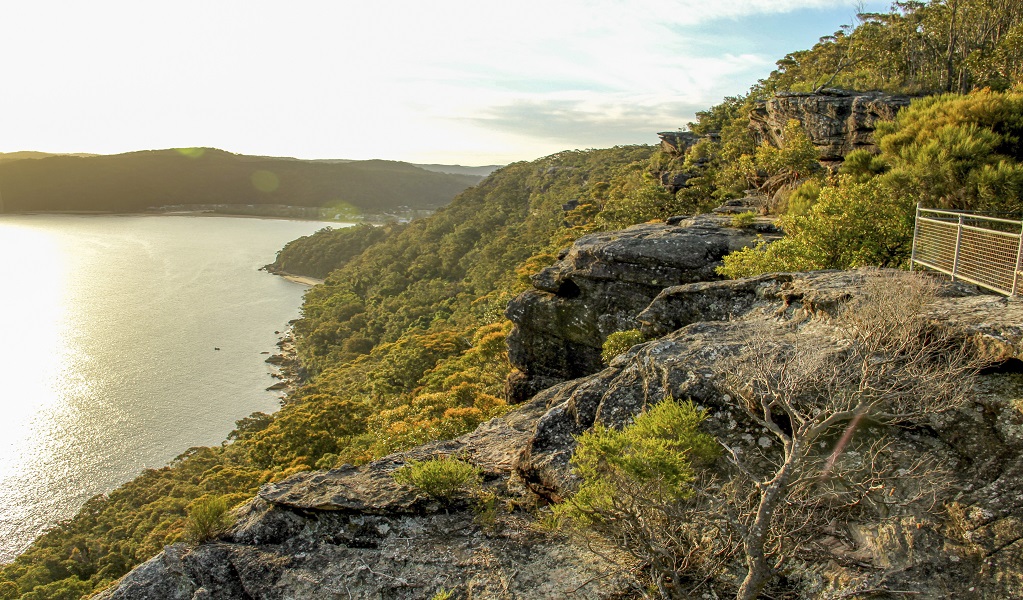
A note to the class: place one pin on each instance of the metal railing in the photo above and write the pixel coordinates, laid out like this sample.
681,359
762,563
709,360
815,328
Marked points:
984,251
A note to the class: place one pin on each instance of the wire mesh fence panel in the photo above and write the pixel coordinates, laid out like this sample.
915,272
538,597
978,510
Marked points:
981,250
935,244
987,259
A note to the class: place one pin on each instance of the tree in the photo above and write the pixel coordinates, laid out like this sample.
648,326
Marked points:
891,365
827,400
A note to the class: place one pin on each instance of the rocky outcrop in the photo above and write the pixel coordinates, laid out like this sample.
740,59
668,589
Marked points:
598,287
703,325
677,143
355,533
836,121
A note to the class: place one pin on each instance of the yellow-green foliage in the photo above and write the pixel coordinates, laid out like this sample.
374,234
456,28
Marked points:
405,341
770,168
207,519
9,590
952,151
851,225
619,342
744,219
442,479
961,152
660,452
112,533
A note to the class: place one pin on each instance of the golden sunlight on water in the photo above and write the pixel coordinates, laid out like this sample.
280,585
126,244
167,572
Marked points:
32,327
107,363
34,349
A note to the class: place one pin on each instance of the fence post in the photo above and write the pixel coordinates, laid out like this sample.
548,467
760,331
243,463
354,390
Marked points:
1019,260
959,241
916,232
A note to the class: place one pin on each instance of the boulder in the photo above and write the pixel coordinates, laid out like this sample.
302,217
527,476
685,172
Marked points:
677,143
599,286
354,532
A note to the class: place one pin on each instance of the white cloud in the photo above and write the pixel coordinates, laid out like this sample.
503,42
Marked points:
333,78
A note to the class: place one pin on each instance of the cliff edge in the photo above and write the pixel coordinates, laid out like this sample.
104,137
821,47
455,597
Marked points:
354,532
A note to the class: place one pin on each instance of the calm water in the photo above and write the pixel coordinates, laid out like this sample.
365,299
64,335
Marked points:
108,326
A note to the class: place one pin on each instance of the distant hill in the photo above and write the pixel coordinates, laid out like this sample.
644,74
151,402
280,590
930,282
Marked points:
460,170
142,180
9,156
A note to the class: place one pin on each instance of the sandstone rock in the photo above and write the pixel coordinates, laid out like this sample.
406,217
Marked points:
354,533
836,121
599,286
677,142
703,324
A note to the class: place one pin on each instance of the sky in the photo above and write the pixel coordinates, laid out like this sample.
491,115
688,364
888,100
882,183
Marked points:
454,82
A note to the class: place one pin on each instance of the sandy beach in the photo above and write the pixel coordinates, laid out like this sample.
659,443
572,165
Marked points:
300,279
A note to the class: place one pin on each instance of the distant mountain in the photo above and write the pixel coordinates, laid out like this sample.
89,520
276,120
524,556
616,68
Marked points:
143,180
9,156
460,170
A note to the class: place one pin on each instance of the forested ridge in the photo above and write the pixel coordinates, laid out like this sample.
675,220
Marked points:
138,181
405,341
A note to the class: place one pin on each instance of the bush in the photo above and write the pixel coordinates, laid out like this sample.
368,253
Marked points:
851,225
638,489
442,479
207,519
9,590
619,342
744,219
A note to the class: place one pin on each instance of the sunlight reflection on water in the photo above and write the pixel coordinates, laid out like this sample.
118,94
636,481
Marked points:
107,330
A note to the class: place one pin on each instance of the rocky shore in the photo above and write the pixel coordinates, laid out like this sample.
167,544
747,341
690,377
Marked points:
287,366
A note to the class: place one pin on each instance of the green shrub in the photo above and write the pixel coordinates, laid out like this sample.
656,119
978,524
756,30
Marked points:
744,219
9,590
850,225
638,490
207,519
442,479
619,342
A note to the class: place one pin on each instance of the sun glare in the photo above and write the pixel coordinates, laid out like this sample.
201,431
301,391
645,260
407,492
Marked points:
34,351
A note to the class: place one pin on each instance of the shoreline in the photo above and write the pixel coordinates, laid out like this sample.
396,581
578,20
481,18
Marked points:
300,279
181,213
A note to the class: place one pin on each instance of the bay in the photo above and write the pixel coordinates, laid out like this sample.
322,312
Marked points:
125,340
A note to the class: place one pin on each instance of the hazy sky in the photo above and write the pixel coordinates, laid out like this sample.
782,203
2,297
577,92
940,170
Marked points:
474,82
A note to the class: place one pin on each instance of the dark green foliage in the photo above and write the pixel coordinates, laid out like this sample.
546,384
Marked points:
139,180
328,249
